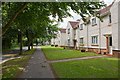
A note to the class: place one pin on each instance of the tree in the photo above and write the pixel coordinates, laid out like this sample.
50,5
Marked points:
60,9
6,26
32,19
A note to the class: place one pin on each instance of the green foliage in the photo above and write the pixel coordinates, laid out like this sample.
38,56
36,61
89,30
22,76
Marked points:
9,39
39,12
34,17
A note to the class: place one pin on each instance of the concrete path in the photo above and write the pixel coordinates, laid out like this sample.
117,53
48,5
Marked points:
2,61
37,67
72,59
8,54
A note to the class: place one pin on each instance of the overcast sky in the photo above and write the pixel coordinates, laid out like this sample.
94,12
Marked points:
76,16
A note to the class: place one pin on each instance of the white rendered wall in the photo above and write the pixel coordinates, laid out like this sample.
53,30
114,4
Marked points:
114,15
70,35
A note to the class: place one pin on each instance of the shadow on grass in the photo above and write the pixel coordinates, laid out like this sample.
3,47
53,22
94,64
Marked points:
12,68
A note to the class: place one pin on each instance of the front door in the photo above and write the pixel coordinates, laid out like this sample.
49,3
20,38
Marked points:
110,45
74,42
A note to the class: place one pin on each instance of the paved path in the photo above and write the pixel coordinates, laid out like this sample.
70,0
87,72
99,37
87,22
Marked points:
2,61
8,54
72,59
37,67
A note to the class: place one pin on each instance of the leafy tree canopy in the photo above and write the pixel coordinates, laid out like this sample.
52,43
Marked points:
30,13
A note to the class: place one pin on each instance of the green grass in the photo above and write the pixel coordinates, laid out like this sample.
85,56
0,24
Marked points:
12,68
91,68
56,53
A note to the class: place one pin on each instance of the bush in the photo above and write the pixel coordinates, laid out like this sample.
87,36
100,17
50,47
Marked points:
52,45
82,50
56,45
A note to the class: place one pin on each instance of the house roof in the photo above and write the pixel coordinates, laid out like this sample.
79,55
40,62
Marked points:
106,9
74,24
62,30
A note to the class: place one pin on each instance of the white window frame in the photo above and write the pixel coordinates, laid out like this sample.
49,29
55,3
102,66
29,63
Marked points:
81,26
82,40
69,31
94,39
110,20
68,42
94,21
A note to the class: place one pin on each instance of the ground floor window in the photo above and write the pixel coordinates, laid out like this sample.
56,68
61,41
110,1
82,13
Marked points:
68,41
81,41
94,39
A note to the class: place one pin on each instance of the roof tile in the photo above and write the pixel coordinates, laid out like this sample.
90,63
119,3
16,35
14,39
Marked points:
74,24
62,30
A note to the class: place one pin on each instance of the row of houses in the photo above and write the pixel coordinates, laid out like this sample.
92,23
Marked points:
96,36
60,39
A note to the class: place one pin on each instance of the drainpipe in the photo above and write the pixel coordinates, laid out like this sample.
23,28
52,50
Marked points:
99,37
79,39
87,37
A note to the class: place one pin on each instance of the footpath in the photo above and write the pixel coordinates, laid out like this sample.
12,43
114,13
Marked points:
37,67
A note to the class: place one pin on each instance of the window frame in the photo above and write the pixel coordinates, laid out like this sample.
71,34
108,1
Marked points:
81,26
110,20
81,42
68,41
94,21
69,31
94,40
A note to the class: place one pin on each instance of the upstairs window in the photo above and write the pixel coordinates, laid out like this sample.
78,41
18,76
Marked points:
110,21
69,31
74,32
94,22
94,39
81,26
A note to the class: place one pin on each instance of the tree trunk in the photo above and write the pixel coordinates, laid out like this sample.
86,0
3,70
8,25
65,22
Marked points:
28,47
32,45
28,39
28,43
20,43
36,42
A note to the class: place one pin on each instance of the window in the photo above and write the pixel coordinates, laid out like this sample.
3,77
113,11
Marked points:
81,41
68,41
74,32
69,31
110,21
94,39
110,41
81,26
94,21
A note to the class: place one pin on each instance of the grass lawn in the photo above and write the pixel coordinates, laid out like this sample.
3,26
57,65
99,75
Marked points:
12,68
55,53
92,68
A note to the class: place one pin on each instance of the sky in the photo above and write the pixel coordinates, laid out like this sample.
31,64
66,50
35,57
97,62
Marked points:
76,16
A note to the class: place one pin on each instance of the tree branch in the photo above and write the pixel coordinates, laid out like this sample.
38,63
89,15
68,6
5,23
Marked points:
6,27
